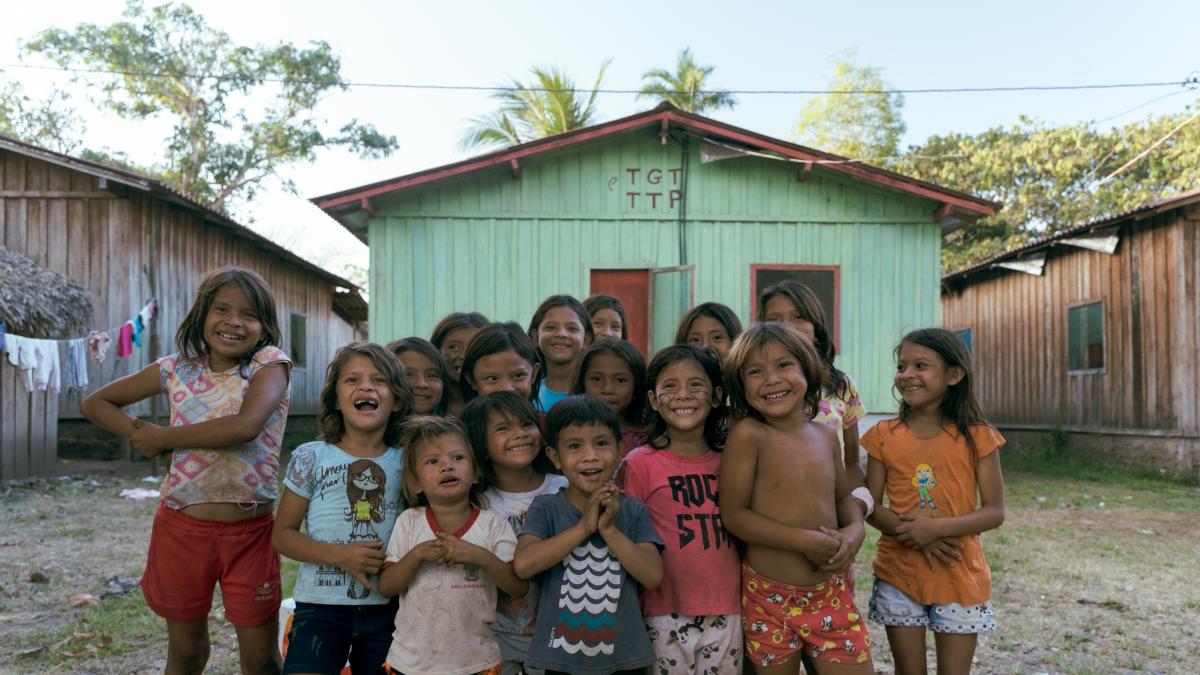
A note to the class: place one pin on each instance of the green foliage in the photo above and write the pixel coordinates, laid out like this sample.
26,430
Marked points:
50,123
685,88
548,105
864,126
1049,178
240,113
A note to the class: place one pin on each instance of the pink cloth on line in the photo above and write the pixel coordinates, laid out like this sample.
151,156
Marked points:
125,340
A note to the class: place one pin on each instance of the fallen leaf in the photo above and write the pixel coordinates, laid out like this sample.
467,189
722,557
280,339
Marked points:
82,600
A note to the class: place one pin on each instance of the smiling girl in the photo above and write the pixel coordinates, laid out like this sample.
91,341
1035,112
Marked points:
561,328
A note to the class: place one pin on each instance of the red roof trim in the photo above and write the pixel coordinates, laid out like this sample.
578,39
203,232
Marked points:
663,112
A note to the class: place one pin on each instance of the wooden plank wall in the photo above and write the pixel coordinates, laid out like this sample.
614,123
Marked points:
1148,288
60,219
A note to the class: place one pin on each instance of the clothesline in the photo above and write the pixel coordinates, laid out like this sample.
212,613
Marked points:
152,303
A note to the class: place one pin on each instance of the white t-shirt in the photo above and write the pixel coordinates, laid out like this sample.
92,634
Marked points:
443,623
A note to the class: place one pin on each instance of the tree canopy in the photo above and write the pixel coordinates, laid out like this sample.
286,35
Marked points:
240,113
864,126
50,122
685,88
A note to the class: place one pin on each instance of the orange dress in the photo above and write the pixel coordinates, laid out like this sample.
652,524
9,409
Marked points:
935,478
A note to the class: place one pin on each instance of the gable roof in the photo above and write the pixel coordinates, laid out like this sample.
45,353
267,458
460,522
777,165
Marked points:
160,190
960,277
956,207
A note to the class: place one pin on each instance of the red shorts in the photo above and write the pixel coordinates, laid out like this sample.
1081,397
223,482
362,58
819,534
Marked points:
188,557
780,619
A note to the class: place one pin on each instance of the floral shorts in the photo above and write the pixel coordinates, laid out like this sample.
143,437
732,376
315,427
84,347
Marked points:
780,619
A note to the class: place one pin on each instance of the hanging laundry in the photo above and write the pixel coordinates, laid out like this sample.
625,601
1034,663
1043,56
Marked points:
47,374
98,344
77,375
125,340
21,355
147,312
3,328
138,327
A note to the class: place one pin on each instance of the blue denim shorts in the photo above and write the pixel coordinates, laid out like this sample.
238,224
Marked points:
891,607
324,637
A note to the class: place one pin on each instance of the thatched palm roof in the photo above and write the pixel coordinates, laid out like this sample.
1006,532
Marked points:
37,302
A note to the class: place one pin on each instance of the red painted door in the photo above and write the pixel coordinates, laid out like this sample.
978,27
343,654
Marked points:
632,288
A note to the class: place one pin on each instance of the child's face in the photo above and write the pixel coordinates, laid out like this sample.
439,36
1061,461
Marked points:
774,381
504,371
512,443
706,332
606,324
780,309
231,328
444,470
610,378
454,348
922,377
425,380
363,395
587,455
561,336
683,395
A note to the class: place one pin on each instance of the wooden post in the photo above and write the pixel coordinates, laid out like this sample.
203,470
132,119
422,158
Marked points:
152,274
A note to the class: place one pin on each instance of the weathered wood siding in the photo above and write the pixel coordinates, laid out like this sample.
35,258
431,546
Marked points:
1151,328
61,220
499,245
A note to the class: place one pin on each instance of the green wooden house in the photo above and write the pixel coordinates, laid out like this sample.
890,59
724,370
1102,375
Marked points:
663,209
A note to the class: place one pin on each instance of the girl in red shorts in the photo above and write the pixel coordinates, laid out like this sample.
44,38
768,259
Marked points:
228,389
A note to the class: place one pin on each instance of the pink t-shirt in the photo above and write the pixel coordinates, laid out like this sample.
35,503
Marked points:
245,474
701,570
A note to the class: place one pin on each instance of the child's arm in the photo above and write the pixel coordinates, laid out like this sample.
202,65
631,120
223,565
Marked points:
884,518
395,579
739,462
535,555
640,559
500,572
103,406
922,532
851,534
267,388
358,559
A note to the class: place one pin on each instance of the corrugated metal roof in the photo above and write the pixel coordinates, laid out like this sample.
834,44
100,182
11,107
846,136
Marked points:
1138,212
161,190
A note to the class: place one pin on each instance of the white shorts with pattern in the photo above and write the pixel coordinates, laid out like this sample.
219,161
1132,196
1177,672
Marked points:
699,645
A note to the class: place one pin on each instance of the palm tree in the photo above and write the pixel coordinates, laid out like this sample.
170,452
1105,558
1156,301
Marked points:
550,104
685,87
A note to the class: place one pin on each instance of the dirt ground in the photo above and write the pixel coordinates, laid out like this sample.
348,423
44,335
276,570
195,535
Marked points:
1078,588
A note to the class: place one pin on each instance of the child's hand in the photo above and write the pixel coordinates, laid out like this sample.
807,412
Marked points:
918,532
361,559
146,439
591,515
461,552
610,504
850,539
821,546
433,550
947,550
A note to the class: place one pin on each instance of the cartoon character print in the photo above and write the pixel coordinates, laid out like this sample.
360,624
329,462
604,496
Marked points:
365,482
923,480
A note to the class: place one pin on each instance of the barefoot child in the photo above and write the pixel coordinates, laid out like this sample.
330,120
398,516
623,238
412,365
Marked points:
930,570
504,434
445,558
228,388
694,617
344,489
590,548
784,492
614,371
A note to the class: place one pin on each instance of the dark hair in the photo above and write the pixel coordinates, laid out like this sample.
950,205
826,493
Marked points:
755,338
595,303
189,338
426,349
456,321
493,339
634,414
540,314
329,418
419,430
581,410
475,419
714,310
714,426
959,405
374,497
809,307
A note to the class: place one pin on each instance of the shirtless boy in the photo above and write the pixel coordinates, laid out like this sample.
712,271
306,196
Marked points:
784,492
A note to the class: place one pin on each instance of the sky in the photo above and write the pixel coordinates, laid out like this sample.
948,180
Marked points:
754,45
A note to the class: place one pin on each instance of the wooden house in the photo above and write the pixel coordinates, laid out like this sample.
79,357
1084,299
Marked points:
663,209
125,238
1094,331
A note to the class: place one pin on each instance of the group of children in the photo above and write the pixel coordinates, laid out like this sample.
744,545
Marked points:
499,500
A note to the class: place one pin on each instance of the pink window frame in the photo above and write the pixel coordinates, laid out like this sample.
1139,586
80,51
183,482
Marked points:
837,292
